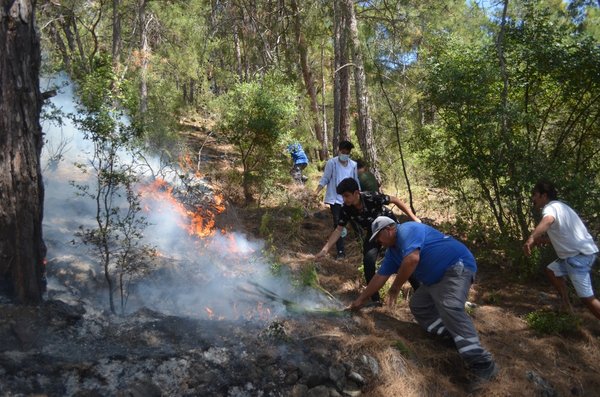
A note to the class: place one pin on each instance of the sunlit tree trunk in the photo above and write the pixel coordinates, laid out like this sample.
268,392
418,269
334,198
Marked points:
307,74
365,124
238,54
341,78
116,34
517,195
144,54
325,142
21,188
396,118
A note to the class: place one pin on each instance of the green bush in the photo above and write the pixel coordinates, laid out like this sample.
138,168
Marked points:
255,117
552,323
309,276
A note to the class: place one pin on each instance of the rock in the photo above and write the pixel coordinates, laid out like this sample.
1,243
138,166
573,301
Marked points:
299,390
313,375
334,393
371,363
352,391
337,374
291,378
356,377
318,391
545,389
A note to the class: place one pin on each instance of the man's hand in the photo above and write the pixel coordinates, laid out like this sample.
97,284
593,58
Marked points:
392,297
356,305
537,236
321,254
528,245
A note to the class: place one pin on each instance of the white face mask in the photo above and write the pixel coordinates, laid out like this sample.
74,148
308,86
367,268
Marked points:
344,157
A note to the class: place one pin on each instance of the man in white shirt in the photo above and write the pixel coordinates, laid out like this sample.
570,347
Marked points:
572,242
336,170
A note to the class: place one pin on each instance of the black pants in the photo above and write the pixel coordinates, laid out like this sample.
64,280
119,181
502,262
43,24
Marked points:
370,252
336,210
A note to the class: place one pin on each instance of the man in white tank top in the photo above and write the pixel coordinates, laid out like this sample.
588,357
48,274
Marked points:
572,242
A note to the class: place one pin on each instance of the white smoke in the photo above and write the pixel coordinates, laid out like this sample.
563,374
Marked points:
202,277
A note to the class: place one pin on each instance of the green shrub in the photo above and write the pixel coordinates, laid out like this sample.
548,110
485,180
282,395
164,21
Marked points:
265,229
552,323
309,276
255,118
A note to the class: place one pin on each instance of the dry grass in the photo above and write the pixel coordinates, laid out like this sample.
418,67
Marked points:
410,363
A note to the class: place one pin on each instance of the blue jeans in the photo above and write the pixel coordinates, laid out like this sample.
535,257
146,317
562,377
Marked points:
578,269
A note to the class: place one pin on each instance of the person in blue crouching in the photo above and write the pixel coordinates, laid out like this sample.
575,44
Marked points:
446,269
299,160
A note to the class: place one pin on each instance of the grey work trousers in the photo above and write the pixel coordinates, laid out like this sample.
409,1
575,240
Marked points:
440,309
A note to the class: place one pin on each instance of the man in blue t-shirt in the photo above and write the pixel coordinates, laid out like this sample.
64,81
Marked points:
446,269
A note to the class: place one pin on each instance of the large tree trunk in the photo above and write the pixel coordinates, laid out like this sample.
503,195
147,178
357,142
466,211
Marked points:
145,54
341,78
238,54
309,80
325,142
116,34
62,48
22,249
365,125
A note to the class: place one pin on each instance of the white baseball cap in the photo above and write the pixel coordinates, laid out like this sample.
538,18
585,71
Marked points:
380,223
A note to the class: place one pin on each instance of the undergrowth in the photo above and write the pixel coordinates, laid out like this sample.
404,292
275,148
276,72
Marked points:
552,323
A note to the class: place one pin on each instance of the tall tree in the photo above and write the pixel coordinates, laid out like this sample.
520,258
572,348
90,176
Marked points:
116,33
365,124
22,249
309,80
523,106
341,77
144,55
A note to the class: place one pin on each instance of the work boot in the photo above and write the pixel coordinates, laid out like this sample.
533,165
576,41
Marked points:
481,374
340,255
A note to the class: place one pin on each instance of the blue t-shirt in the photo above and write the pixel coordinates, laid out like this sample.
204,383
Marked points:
297,153
438,252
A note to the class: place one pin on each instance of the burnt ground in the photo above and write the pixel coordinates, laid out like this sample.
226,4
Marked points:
531,364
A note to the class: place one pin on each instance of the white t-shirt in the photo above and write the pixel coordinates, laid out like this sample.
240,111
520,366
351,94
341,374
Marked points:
567,233
334,173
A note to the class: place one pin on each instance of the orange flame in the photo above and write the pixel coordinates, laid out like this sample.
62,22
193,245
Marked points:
199,222
187,163
219,206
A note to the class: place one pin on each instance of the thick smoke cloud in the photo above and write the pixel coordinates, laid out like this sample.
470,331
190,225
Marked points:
201,277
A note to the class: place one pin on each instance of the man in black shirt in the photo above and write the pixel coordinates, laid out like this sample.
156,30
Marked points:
363,208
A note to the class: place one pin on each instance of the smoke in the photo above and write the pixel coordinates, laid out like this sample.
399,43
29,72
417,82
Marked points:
204,277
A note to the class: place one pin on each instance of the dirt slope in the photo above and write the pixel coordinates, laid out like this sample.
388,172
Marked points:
412,364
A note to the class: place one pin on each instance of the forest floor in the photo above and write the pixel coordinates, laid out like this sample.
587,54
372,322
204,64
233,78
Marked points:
531,364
